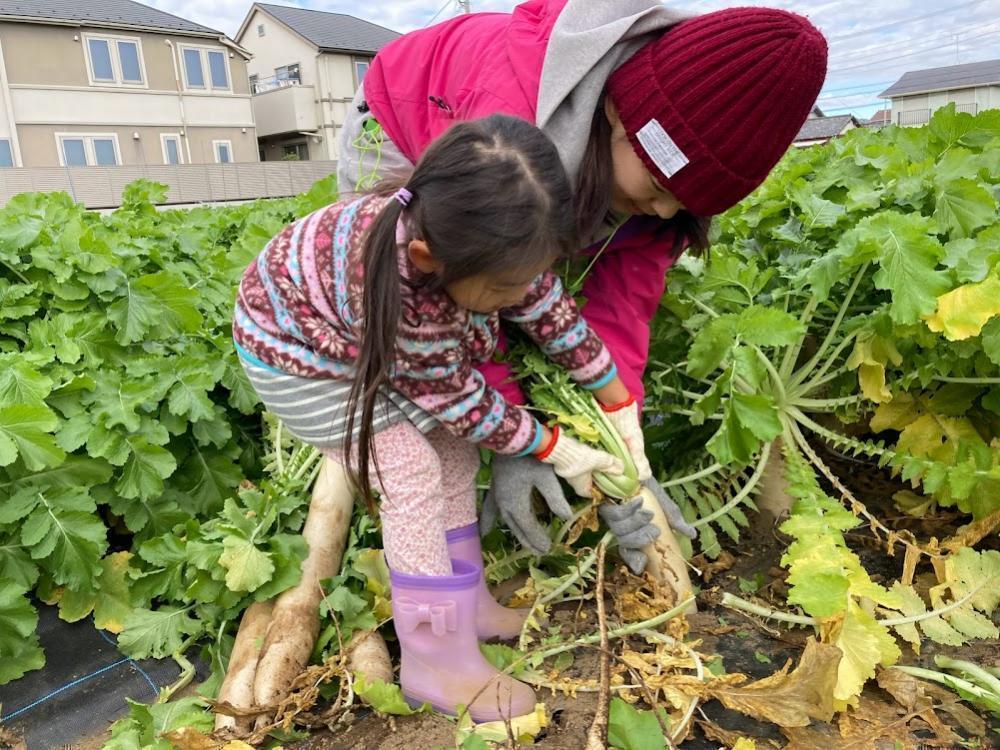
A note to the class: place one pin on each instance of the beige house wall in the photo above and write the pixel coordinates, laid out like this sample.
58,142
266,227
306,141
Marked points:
48,90
40,148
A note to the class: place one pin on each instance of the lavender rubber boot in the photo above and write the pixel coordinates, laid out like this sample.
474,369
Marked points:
492,619
435,619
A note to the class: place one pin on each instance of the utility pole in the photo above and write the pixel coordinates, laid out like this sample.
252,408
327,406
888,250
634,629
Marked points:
465,5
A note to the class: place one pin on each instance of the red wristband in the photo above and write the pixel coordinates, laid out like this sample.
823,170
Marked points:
544,452
618,407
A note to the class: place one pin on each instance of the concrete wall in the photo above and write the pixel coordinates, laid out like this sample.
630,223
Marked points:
101,187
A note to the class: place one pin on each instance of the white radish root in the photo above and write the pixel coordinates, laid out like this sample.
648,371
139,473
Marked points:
237,687
294,625
666,562
367,655
773,501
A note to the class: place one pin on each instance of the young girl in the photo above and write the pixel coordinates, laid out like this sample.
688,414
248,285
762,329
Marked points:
360,326
661,121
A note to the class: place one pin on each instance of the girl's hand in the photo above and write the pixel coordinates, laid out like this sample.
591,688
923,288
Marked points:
575,462
624,417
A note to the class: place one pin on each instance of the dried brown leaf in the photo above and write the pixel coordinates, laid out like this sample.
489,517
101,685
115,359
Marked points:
973,533
913,694
729,738
189,738
12,740
711,568
788,699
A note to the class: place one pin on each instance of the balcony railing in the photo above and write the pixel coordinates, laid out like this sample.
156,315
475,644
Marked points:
914,117
972,109
270,84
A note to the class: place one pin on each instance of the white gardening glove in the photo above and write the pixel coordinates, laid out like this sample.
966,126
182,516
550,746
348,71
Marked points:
624,418
576,463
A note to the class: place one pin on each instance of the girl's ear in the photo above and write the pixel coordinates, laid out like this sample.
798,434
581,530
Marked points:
420,256
611,112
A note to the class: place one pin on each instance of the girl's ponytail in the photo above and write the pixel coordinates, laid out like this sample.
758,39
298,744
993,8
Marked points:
378,344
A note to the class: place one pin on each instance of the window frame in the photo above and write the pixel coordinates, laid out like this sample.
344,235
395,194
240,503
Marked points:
354,66
10,147
215,151
297,67
206,70
118,80
89,152
164,137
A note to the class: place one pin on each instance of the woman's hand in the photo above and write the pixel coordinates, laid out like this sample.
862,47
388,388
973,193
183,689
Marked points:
575,462
624,417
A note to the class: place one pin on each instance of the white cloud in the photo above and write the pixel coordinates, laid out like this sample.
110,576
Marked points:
872,42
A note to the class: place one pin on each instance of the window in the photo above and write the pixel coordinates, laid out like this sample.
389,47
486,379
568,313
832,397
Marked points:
296,151
79,150
193,69
360,68
114,61
171,143
288,73
219,70
100,60
205,67
6,155
223,152
253,83
128,54
260,29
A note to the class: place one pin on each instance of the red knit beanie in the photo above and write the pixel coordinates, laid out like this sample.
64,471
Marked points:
712,105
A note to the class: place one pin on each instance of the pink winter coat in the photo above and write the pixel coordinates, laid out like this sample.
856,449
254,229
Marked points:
481,64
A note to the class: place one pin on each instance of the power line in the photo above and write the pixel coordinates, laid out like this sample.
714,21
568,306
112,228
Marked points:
874,29
879,50
857,85
895,57
440,11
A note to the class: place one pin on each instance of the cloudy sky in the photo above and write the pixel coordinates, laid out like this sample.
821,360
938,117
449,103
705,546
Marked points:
872,42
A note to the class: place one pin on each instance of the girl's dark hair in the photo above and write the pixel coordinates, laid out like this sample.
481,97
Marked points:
490,196
593,193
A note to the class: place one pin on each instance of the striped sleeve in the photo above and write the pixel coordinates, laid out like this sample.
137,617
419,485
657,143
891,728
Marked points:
553,321
434,371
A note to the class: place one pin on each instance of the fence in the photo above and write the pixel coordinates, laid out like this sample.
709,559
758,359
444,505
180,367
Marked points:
101,187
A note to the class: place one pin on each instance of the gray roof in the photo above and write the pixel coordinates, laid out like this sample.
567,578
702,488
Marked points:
99,13
333,31
824,127
952,77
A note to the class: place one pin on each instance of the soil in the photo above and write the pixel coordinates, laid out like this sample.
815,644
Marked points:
743,642
751,647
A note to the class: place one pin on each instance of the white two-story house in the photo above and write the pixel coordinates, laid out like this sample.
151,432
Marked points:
305,69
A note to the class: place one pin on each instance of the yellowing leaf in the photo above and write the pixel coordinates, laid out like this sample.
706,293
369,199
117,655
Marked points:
788,699
524,728
962,312
896,414
864,644
870,356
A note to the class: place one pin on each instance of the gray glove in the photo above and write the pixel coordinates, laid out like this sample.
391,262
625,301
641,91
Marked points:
514,477
633,528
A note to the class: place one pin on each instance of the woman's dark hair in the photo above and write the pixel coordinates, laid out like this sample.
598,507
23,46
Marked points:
490,196
593,193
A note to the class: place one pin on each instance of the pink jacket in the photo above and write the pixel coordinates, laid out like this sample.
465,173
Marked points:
481,64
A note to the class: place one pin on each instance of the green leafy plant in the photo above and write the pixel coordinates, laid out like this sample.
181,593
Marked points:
126,423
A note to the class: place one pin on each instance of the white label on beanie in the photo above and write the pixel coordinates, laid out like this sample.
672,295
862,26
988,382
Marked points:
661,148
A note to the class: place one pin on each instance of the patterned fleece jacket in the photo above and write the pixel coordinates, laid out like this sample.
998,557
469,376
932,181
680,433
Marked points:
299,306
